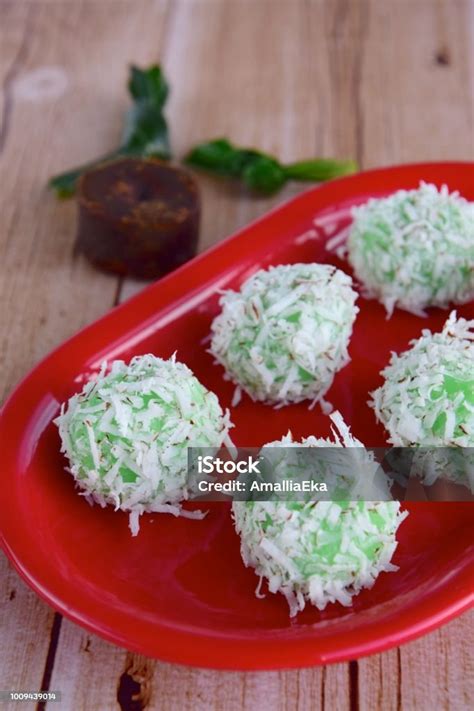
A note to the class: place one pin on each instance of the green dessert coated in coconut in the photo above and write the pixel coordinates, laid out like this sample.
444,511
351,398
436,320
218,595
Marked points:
284,335
127,432
414,249
319,551
427,398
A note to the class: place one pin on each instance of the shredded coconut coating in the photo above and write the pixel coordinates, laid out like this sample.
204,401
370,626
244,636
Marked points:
427,398
318,552
285,334
414,249
126,434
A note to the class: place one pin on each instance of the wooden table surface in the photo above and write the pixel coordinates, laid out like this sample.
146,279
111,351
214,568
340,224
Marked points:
387,81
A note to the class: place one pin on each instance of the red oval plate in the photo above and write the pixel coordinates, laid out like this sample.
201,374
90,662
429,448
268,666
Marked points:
179,590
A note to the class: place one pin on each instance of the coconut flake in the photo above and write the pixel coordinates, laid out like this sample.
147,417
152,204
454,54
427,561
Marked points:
149,412
284,335
414,249
288,547
424,399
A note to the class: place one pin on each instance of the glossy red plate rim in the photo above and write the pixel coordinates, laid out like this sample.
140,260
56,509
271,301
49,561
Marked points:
223,653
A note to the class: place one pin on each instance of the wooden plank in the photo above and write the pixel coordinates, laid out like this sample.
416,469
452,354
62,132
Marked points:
47,293
56,110
26,624
439,668
417,65
245,84
134,679
22,614
86,670
293,77
225,210
414,107
379,682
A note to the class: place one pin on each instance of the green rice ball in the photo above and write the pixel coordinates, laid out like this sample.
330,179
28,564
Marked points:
285,334
319,551
427,398
414,249
127,432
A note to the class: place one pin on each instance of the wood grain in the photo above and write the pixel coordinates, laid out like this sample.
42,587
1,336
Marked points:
386,81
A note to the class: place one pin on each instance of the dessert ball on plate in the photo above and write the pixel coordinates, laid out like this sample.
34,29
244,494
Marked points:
127,432
415,248
285,334
427,398
319,551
